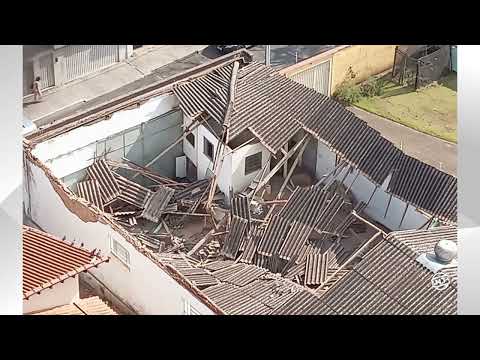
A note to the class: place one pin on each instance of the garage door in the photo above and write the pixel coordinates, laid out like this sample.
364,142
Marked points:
317,77
81,60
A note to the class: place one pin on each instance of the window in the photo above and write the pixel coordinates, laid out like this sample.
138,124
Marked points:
191,139
120,252
253,163
208,148
189,309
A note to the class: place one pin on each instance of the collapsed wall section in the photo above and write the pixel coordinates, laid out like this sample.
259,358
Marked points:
362,189
144,283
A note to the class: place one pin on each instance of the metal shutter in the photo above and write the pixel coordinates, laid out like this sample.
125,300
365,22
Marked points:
81,60
317,77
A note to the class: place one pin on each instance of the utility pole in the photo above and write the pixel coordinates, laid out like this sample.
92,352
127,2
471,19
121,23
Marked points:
267,55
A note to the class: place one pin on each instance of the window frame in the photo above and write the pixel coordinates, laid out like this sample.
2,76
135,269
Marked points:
188,309
206,143
260,153
114,246
188,140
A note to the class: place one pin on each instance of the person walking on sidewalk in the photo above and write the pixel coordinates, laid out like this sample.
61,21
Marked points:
37,90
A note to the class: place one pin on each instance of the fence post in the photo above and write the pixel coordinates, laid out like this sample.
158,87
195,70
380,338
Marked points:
394,61
416,75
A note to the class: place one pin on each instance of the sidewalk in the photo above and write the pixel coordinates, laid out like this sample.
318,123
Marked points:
431,150
71,96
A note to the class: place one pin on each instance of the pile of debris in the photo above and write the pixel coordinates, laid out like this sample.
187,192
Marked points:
142,210
304,241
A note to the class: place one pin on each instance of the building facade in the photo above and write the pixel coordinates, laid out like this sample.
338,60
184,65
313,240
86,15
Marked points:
57,65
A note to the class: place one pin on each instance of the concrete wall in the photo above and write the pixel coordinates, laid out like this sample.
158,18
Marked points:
365,60
75,150
60,294
363,188
144,286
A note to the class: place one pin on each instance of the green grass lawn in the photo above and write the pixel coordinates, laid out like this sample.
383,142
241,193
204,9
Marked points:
432,110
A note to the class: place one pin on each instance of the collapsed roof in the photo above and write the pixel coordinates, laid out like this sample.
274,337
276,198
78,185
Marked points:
274,108
388,280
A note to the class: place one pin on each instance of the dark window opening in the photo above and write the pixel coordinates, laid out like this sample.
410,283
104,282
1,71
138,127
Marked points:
253,163
208,148
191,139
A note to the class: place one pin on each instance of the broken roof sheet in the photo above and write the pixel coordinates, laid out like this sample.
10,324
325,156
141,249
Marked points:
241,207
109,188
48,261
157,203
132,193
233,240
90,191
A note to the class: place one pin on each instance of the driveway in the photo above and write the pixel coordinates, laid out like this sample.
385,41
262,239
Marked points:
431,150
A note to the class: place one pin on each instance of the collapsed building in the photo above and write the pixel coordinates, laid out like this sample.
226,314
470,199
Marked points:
231,189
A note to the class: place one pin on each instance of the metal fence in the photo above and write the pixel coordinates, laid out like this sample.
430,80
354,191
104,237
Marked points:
419,66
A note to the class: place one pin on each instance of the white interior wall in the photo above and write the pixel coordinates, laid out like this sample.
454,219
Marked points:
203,162
74,150
188,149
58,295
363,188
144,286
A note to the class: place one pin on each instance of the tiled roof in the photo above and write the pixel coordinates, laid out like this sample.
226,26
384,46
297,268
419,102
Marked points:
389,280
48,261
274,108
425,187
89,306
423,241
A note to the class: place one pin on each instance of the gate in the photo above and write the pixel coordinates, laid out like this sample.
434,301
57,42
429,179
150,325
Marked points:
317,78
45,71
80,60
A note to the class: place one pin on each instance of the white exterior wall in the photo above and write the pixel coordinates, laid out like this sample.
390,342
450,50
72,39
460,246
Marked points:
75,150
363,188
144,286
232,175
58,295
202,162
240,181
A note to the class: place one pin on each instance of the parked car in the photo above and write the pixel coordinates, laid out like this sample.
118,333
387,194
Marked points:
225,49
